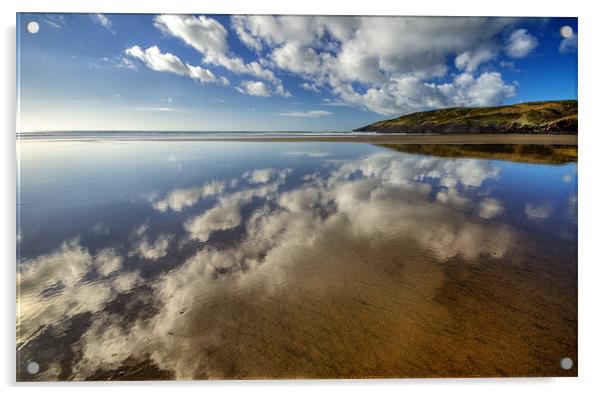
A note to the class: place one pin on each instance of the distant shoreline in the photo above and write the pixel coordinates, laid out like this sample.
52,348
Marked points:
561,139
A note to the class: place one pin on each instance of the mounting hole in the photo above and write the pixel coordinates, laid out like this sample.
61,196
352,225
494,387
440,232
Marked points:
566,363
33,367
33,27
566,32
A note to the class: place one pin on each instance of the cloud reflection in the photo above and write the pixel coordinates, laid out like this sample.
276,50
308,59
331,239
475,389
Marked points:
66,282
490,208
180,198
380,202
153,251
538,210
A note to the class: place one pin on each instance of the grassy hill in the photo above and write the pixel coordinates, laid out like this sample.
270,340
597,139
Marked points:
531,118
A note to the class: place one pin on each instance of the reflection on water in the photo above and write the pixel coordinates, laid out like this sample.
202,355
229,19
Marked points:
192,260
515,152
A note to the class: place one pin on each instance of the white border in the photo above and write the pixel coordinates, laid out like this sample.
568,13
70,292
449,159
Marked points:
590,264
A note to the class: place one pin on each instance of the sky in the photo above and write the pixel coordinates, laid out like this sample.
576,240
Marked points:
279,73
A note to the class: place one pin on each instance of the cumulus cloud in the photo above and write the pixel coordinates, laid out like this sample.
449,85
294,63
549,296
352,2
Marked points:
396,59
209,38
520,44
294,57
471,60
306,114
156,60
392,65
410,93
254,88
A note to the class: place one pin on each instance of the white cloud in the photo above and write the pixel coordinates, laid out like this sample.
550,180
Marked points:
296,58
391,65
471,60
487,89
520,44
395,58
409,93
209,38
161,109
254,88
307,114
204,34
240,25
156,60
56,21
568,44
310,87
127,63
104,21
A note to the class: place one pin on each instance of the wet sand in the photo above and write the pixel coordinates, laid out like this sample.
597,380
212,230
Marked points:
563,139
387,264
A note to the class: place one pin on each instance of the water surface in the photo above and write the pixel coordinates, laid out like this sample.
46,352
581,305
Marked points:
213,259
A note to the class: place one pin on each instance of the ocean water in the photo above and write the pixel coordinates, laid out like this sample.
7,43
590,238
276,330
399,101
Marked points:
167,259
192,135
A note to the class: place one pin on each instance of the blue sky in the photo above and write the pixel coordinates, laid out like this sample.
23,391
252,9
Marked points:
221,72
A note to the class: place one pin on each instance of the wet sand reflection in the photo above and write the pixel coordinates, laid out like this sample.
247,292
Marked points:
385,265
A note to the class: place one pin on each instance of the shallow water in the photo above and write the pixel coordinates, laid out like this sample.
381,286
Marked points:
208,259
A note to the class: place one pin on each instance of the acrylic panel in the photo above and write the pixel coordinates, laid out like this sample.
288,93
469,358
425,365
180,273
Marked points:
295,197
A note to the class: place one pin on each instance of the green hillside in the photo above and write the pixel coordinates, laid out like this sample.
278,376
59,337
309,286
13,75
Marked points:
531,118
